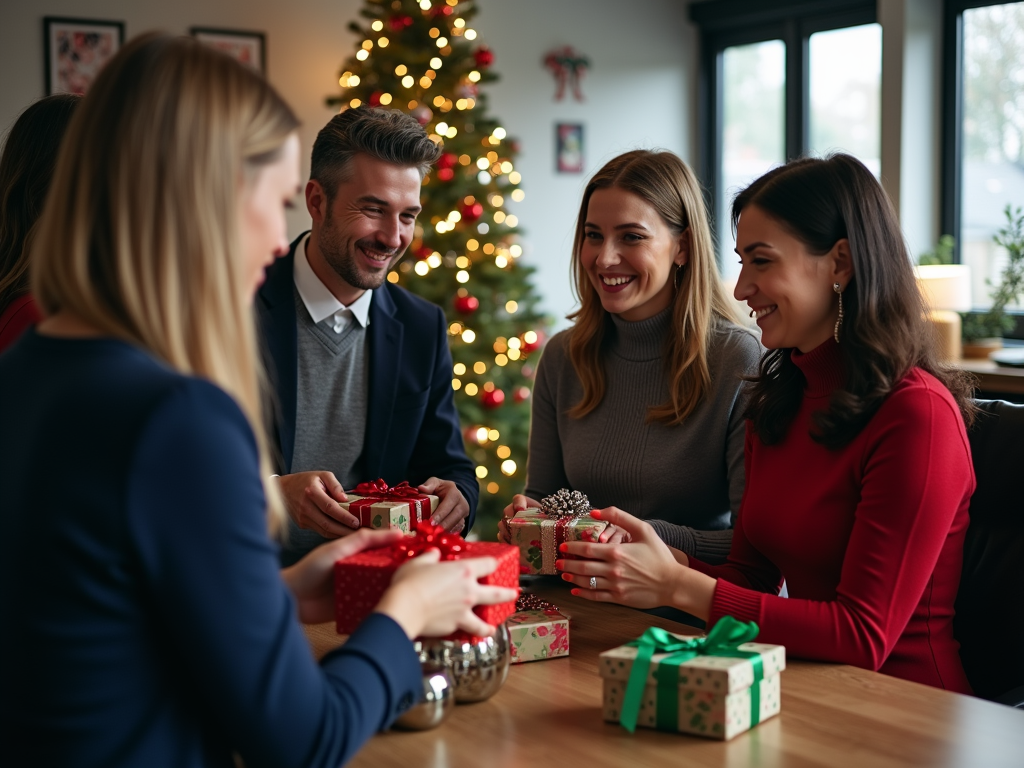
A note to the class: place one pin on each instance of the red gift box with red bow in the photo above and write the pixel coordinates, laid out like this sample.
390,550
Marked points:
361,580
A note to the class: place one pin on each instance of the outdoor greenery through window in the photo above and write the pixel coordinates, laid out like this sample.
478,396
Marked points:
846,93
781,81
992,138
753,128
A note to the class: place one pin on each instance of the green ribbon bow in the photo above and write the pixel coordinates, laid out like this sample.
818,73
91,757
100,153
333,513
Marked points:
724,639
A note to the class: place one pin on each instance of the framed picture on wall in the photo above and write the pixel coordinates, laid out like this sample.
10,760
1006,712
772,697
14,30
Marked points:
250,48
569,147
76,50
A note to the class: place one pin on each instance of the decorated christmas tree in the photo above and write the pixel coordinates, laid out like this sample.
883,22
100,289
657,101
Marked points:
424,58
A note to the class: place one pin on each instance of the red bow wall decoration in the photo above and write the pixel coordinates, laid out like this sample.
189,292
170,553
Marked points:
568,67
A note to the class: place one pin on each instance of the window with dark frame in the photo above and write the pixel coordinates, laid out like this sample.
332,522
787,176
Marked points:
983,135
764,98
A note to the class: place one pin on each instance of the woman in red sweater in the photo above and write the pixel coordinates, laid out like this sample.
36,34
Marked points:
858,467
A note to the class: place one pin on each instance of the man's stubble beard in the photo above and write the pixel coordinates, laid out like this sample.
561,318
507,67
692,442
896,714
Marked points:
341,257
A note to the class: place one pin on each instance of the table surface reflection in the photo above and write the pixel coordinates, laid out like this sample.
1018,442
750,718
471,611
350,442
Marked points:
832,715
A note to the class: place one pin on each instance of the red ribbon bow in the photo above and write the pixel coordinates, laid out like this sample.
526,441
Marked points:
378,490
426,537
528,601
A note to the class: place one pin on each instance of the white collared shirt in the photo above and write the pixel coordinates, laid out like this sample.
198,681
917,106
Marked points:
320,302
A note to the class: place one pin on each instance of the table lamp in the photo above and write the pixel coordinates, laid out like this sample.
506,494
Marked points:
946,290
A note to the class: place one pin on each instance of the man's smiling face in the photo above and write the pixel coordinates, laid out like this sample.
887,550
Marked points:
371,220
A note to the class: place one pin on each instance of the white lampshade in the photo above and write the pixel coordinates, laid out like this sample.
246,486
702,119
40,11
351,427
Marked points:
945,286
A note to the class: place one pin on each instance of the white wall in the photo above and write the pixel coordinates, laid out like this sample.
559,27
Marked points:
640,90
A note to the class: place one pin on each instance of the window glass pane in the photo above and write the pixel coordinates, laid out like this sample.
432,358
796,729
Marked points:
846,93
753,127
993,137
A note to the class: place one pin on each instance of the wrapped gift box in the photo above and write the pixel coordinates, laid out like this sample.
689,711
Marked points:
538,534
361,580
707,695
537,630
379,506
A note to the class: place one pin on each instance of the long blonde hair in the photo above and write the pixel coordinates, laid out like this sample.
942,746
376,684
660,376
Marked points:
667,184
139,236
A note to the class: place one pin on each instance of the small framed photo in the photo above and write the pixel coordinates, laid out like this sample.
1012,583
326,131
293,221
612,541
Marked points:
76,50
250,48
569,147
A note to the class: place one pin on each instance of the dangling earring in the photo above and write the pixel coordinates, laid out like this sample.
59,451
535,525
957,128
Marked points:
678,277
839,322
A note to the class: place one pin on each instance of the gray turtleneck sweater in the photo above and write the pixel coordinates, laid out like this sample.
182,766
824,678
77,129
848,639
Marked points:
686,480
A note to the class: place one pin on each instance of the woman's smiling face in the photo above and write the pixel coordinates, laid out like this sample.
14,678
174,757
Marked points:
788,287
630,254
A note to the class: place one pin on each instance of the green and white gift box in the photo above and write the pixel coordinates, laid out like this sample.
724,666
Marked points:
693,685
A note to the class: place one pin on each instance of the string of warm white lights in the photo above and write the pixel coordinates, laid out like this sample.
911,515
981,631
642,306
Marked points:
424,57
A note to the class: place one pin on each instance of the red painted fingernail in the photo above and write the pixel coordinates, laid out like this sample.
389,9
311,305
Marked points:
595,513
566,577
560,565
575,592
563,547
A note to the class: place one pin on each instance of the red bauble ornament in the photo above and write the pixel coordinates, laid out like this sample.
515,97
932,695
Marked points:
447,160
441,10
466,305
445,174
521,394
528,346
492,399
423,252
399,22
423,115
471,212
374,99
484,57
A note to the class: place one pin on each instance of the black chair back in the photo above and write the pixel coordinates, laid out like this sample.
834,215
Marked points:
989,621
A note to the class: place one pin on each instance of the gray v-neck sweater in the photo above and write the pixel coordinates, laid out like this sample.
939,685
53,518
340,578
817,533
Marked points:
686,480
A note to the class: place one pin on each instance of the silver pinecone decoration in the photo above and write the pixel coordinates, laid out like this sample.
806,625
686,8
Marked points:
565,503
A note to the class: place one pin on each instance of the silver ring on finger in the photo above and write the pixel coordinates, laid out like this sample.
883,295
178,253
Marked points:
593,582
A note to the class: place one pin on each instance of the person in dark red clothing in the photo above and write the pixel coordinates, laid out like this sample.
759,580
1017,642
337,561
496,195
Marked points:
858,468
26,169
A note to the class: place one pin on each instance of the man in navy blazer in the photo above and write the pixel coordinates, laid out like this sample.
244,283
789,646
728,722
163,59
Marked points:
360,367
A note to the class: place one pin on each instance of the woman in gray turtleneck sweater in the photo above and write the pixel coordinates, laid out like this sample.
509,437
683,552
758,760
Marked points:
639,405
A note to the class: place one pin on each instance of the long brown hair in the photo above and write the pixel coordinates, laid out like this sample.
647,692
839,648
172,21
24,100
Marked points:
26,169
667,184
884,332
139,237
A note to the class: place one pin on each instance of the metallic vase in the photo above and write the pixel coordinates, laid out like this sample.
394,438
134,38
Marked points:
438,699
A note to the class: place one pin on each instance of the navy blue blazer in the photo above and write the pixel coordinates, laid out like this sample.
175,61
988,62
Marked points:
412,427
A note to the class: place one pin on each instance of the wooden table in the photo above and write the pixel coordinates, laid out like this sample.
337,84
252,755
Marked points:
995,378
548,715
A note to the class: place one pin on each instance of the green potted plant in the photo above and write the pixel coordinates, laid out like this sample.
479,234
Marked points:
983,332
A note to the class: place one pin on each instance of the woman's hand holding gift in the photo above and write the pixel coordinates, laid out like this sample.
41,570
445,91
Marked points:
642,572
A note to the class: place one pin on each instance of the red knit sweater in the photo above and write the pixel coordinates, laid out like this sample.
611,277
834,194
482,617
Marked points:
21,314
869,538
